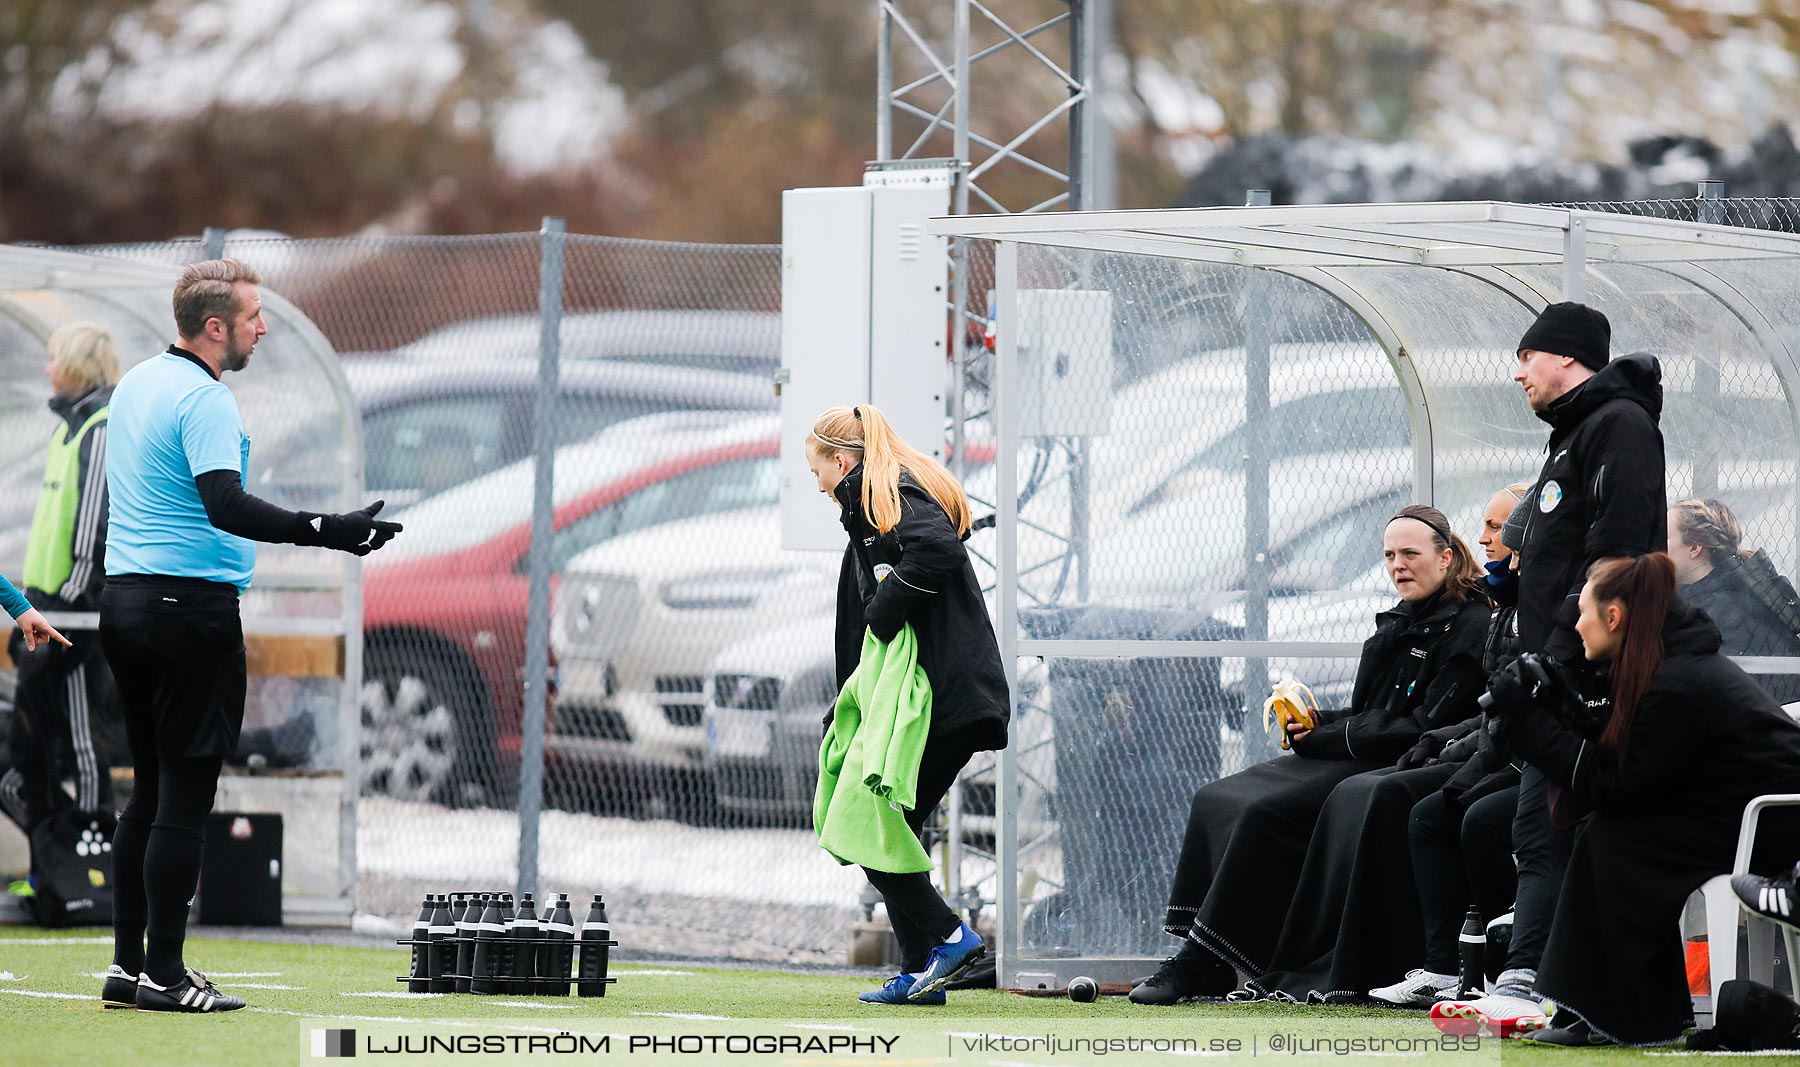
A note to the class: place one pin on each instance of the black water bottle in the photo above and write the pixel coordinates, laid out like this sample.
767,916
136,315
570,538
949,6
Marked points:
1471,946
465,941
596,932
556,958
503,947
524,948
488,933
420,975
443,947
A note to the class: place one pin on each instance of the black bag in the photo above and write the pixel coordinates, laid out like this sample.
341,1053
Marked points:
1749,1017
71,868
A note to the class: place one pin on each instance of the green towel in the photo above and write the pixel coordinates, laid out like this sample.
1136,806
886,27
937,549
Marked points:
869,760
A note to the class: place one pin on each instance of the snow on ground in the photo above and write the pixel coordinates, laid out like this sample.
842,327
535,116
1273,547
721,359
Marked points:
480,848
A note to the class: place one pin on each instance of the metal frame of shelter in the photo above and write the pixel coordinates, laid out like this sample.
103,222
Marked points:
1487,241
30,281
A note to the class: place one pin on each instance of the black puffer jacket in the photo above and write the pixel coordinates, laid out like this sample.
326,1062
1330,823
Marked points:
932,586
1600,494
1420,670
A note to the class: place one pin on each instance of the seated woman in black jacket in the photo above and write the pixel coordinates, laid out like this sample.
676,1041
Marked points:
1689,740
1247,834
1712,572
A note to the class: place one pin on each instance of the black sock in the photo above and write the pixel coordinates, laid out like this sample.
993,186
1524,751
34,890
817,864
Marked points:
171,874
129,841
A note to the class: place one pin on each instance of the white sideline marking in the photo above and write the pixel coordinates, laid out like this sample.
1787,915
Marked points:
261,985
56,940
396,994
687,1015
51,996
243,974
633,972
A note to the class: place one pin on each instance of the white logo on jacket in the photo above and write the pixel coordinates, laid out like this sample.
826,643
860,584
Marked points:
1550,496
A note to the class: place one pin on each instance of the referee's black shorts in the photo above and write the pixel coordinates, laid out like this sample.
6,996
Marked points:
176,646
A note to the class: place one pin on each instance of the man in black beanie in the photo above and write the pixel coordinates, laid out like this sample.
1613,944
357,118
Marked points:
1600,494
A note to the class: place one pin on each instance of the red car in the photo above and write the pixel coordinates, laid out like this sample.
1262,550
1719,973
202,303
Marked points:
444,606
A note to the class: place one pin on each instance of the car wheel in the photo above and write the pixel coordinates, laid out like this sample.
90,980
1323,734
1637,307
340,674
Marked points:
423,738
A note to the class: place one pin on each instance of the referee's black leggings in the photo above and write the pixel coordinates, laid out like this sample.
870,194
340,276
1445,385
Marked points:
156,860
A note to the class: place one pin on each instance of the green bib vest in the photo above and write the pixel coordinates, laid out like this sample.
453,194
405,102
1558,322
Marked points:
49,558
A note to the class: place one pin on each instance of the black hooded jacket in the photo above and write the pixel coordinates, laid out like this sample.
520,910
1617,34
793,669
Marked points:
1600,494
1419,671
931,585
1705,738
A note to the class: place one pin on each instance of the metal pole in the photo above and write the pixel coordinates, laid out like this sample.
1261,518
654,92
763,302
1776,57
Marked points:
1256,470
212,243
537,618
884,82
1004,404
1706,367
959,246
1091,170
1575,261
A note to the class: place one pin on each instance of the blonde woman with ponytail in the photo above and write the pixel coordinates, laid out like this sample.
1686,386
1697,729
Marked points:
906,518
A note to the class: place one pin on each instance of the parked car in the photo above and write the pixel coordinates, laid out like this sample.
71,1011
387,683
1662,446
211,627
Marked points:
727,340
428,425
638,622
444,606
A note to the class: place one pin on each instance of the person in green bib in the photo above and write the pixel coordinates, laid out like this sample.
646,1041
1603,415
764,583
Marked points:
65,703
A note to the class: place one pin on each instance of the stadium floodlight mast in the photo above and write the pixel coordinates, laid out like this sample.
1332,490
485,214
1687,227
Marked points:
943,99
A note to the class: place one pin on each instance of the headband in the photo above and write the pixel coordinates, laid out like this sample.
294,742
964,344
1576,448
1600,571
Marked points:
848,446
1443,535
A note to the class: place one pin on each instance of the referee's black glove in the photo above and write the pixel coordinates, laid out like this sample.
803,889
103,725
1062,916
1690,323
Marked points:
358,532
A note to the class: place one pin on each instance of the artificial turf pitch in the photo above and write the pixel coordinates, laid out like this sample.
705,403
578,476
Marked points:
50,1014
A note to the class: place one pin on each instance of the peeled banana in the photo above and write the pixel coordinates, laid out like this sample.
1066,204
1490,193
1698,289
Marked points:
1290,702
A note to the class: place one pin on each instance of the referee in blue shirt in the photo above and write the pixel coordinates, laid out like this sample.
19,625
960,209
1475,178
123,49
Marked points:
180,550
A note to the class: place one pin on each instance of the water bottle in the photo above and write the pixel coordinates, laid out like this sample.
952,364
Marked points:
503,947
556,959
525,931
443,947
488,932
421,950
595,933
465,941
1472,946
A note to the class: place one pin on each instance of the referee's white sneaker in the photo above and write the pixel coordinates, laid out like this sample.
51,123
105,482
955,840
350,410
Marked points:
193,993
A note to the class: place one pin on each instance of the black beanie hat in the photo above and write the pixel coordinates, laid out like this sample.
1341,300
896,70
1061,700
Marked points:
1573,330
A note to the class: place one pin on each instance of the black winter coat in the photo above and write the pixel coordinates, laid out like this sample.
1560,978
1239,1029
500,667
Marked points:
1600,494
1706,737
932,586
1704,741
1419,671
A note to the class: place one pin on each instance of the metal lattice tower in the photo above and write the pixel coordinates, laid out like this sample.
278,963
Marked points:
982,137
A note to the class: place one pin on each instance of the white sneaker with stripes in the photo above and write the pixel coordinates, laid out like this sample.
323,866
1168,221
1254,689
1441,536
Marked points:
1771,898
193,993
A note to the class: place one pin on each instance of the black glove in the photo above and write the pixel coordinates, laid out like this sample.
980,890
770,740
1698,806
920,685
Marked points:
1520,687
884,616
357,532
1424,751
